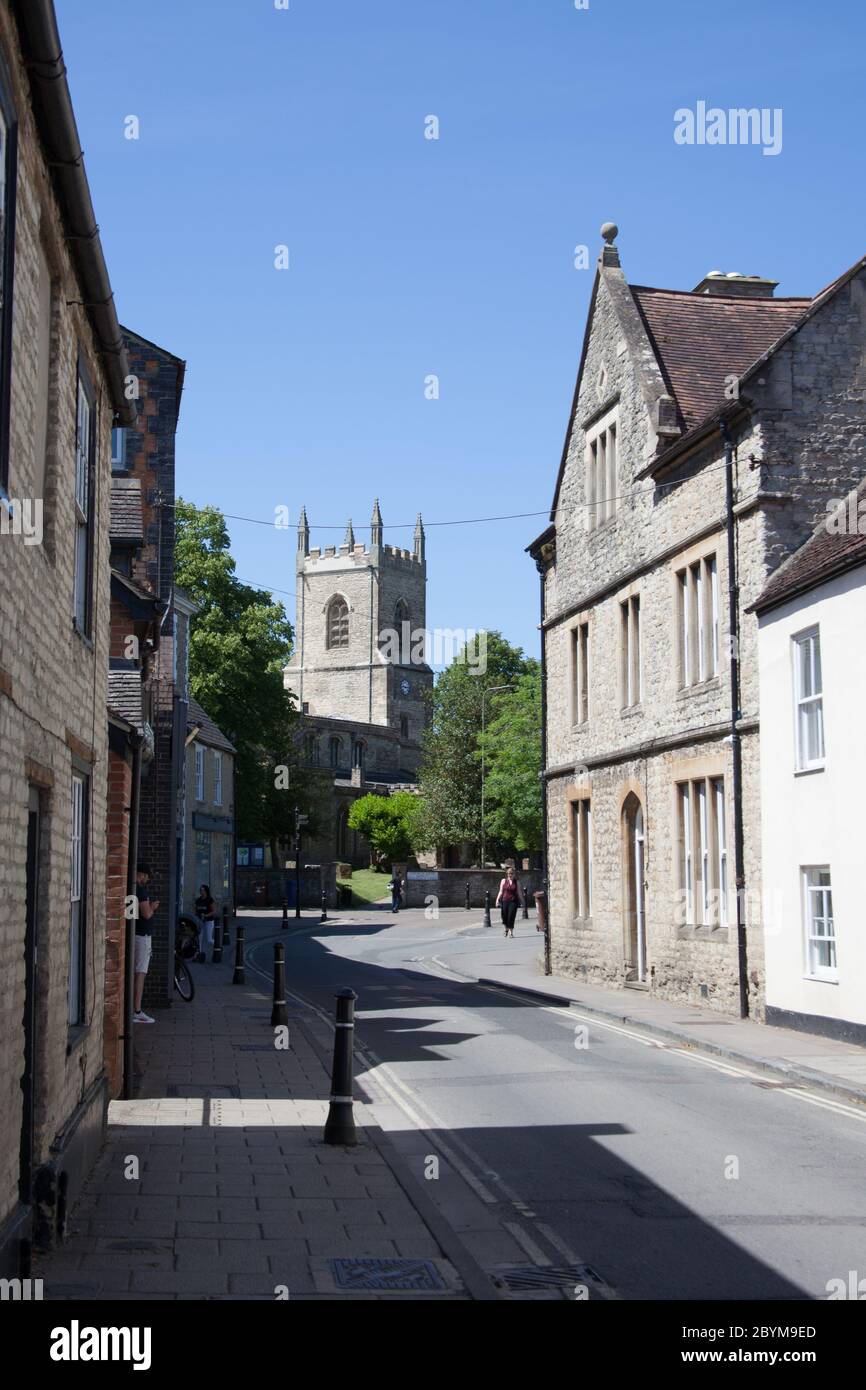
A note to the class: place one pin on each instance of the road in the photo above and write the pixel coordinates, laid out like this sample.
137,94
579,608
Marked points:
663,1174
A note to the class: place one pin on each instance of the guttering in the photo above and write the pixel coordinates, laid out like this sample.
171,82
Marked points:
736,745
55,119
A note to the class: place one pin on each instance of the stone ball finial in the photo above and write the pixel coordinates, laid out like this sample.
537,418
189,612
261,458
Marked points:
610,232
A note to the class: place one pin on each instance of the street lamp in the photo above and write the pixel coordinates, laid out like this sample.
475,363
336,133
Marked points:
491,690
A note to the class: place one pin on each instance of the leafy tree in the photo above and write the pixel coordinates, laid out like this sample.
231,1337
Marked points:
240,641
386,822
512,755
450,776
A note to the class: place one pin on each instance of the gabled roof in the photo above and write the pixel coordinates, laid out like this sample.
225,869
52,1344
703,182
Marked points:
208,733
831,549
691,343
699,339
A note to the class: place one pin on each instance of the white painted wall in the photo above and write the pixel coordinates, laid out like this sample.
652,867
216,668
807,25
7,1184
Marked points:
816,817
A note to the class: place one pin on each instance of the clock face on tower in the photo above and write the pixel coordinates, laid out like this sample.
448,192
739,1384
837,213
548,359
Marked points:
405,686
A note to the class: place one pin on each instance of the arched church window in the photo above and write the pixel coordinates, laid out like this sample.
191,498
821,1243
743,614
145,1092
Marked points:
311,749
359,754
338,623
335,751
401,615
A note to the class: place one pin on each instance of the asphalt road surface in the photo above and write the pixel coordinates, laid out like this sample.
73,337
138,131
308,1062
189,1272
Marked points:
669,1174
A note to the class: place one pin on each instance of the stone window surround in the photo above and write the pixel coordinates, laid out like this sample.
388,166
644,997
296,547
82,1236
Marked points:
625,596
707,548
708,766
579,794
337,599
603,424
578,621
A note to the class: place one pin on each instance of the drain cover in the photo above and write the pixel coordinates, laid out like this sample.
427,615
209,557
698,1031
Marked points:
386,1274
547,1277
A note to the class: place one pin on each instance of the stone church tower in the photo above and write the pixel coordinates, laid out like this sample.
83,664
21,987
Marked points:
359,669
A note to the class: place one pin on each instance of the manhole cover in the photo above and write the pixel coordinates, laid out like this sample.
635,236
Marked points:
548,1277
386,1274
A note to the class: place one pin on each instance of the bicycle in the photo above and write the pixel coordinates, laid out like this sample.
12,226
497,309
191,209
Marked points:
185,949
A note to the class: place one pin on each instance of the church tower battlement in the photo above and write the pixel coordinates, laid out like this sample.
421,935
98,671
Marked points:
361,616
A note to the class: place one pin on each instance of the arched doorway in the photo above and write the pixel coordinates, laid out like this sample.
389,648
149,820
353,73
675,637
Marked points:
633,876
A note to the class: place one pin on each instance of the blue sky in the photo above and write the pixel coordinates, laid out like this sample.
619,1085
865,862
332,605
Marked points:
409,257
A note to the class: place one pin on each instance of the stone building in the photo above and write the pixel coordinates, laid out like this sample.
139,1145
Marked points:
62,371
210,811
359,671
651,673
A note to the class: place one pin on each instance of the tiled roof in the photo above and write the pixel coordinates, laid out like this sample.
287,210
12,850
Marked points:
125,519
699,339
209,733
830,550
124,694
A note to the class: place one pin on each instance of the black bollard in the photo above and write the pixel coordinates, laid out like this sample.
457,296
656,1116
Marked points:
279,1013
226,939
467,897
525,912
285,914
487,921
217,955
324,916
340,1124
239,977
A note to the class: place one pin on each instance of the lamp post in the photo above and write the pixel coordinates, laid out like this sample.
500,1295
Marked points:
491,690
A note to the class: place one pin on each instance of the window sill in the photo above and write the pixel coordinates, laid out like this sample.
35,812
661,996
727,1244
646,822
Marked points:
821,979
809,772
602,527
82,635
699,688
631,711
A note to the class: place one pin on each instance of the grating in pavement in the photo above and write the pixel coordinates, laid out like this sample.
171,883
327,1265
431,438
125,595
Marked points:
386,1274
547,1277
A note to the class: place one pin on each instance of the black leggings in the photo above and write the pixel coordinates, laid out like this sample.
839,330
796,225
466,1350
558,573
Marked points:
509,913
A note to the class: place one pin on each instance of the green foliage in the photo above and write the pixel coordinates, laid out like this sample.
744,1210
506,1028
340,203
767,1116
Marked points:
450,776
240,640
386,822
512,756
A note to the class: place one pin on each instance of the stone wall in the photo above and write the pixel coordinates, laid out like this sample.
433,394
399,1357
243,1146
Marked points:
798,440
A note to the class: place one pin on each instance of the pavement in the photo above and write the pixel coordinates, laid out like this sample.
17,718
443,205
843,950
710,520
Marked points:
564,1167
215,1182
826,1063
604,1160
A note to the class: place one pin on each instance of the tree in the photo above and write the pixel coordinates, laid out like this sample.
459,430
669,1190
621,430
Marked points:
240,641
512,755
386,822
450,775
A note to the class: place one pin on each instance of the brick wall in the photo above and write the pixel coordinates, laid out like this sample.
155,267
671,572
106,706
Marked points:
117,859
52,682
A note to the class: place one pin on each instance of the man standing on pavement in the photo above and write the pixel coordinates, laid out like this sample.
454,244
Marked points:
396,887
143,939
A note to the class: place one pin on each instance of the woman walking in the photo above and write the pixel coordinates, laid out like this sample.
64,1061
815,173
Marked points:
508,899
205,911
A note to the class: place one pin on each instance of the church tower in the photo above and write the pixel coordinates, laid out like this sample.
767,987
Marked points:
360,628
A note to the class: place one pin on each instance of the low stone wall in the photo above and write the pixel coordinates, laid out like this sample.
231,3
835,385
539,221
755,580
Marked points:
268,887
449,886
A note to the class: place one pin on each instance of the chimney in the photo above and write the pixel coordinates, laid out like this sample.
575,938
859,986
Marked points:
736,286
